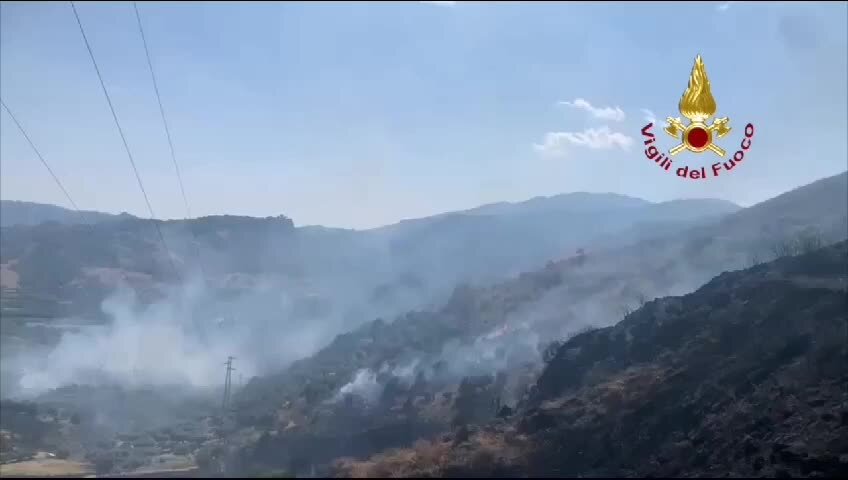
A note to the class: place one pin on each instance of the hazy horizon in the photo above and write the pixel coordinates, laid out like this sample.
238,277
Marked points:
402,219
458,210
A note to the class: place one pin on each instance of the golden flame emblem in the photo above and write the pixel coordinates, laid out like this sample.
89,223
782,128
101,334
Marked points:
697,104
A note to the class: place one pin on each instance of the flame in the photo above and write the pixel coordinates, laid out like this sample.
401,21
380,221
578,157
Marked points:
697,103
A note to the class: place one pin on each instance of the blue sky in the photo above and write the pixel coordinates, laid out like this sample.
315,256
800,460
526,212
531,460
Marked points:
358,114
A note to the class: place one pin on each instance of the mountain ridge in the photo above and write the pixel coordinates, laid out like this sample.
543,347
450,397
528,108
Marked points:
15,212
231,244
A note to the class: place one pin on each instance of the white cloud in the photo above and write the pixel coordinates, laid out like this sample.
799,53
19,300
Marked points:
722,7
444,4
604,113
557,144
649,116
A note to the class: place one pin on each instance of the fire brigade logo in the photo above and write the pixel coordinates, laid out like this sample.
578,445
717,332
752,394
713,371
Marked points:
697,105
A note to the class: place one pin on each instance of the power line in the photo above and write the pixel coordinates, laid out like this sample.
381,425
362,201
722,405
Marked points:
162,111
85,221
168,135
123,138
43,161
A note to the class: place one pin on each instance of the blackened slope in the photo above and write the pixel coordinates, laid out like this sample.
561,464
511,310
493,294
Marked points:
746,375
756,304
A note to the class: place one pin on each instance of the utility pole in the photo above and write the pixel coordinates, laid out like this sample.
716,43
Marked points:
225,405
228,382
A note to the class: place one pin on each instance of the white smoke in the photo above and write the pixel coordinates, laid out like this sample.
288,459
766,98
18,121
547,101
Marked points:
156,345
364,385
406,372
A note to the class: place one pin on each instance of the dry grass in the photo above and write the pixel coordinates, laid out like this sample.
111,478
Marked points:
424,459
45,467
484,452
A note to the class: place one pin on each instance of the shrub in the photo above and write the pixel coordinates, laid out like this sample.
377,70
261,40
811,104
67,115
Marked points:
801,243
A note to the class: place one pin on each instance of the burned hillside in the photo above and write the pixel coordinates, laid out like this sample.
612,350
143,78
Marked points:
747,376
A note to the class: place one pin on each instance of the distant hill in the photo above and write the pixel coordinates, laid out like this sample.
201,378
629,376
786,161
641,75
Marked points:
377,271
574,202
13,212
499,240
823,199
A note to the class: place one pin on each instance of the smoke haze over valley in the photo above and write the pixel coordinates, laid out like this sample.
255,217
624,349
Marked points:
292,289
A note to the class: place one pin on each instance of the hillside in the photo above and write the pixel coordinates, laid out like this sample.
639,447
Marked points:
594,203
389,382
13,212
746,376
502,330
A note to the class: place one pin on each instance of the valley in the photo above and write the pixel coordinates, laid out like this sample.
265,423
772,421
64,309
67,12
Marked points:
409,350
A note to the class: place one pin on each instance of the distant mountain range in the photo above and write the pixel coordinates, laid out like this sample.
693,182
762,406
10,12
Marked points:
473,245
594,203
14,212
